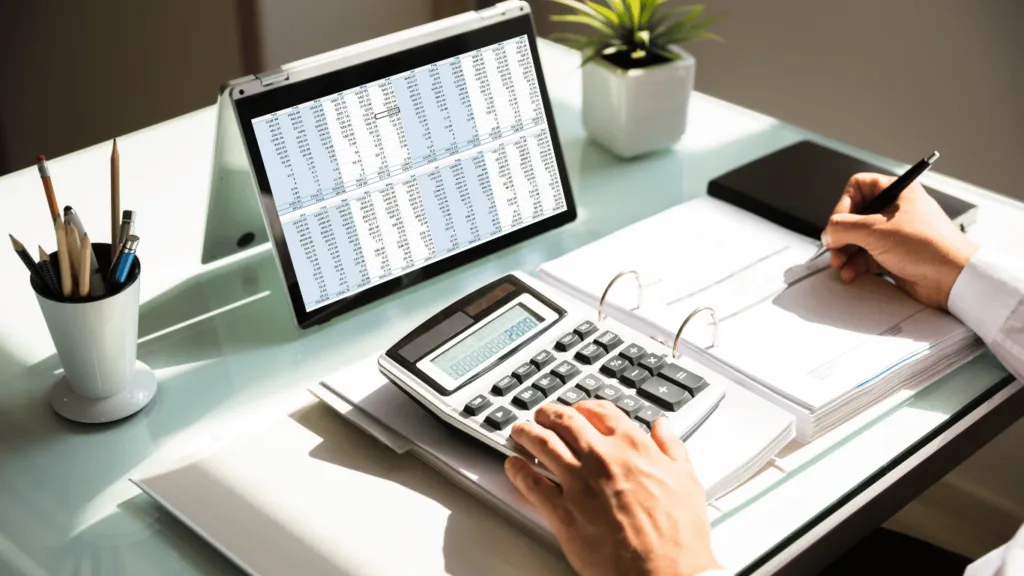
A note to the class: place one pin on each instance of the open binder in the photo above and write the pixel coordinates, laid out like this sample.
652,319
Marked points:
821,350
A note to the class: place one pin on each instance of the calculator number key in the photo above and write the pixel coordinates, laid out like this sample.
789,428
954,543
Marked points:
541,359
590,353
608,340
614,367
572,396
565,370
500,418
476,406
567,342
547,384
633,353
589,385
608,392
527,398
585,330
504,386
691,382
523,373
630,404
665,394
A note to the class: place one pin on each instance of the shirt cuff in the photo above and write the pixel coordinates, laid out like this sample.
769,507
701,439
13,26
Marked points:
985,294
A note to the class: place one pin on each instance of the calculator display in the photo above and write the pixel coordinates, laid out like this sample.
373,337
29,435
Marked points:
487,342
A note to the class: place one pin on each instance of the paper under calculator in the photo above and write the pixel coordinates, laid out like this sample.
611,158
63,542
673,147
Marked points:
493,357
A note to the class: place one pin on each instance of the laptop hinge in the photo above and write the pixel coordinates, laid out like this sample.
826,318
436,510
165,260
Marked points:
272,77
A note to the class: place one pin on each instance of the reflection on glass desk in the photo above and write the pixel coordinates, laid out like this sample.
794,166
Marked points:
221,340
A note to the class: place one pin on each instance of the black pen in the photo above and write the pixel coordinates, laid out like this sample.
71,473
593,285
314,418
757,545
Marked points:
892,192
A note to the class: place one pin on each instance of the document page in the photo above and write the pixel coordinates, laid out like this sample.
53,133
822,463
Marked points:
704,252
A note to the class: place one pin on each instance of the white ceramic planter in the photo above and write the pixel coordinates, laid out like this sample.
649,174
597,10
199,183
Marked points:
633,112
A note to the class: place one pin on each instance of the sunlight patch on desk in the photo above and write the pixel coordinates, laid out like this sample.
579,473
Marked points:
713,123
205,316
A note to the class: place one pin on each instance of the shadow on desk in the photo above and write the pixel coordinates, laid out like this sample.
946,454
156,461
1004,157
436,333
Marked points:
474,542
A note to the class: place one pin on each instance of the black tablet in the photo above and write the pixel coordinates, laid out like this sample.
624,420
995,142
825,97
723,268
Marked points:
389,162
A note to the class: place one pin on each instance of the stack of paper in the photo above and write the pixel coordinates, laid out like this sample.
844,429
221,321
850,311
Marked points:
818,348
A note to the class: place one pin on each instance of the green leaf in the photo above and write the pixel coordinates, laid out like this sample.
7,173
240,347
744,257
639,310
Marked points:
608,13
669,54
638,54
585,20
619,9
588,10
634,12
648,10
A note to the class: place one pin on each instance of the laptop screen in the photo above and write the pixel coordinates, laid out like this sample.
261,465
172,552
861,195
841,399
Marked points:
375,181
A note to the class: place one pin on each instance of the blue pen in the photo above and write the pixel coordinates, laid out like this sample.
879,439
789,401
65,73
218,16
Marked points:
124,261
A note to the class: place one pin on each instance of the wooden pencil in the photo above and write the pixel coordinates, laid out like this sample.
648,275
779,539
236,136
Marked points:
84,267
74,248
115,201
63,259
51,197
46,269
19,249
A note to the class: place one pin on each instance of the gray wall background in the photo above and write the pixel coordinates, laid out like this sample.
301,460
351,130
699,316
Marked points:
897,77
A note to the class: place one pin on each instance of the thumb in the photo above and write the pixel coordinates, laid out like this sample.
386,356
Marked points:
851,229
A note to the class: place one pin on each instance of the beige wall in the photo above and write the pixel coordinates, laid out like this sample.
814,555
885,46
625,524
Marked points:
298,28
898,77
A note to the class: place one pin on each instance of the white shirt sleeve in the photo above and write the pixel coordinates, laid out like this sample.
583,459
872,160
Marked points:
988,296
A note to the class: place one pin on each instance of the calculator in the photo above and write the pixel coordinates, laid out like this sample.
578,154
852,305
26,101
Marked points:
493,357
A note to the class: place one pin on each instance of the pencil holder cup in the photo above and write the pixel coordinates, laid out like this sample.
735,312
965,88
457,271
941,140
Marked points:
96,340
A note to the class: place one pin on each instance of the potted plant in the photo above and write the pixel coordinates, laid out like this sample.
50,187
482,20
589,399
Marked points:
636,79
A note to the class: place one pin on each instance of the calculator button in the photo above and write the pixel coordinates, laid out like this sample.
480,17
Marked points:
547,384
665,394
504,386
590,353
633,353
567,342
523,373
634,377
630,404
527,398
608,340
572,396
565,370
614,367
589,384
476,406
651,362
541,359
585,330
500,418
691,382
609,392
647,415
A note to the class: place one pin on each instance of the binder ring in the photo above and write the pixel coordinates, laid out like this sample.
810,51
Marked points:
608,288
679,333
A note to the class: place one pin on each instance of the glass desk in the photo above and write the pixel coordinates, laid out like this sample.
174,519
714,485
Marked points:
227,356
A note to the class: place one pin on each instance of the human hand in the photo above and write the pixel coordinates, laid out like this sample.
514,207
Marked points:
625,503
913,240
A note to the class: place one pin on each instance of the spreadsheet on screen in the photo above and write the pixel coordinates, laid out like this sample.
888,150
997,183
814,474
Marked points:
374,181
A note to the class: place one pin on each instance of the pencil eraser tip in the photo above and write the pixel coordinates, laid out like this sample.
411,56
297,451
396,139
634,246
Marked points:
40,158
